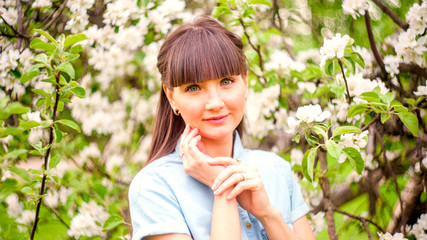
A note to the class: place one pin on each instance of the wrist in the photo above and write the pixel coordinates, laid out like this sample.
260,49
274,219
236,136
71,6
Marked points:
272,214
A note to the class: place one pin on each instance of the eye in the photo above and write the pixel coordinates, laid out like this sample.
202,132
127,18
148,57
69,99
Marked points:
192,88
226,81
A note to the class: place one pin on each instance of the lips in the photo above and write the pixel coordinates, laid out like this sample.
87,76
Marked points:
217,119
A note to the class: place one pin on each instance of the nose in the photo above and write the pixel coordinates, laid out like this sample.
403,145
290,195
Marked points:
214,102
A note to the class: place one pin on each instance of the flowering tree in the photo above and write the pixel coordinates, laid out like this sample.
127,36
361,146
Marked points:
338,88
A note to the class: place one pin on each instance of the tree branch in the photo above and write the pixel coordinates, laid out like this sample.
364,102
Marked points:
362,219
391,14
324,183
377,55
46,161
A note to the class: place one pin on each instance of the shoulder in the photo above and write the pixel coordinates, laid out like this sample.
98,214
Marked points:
154,174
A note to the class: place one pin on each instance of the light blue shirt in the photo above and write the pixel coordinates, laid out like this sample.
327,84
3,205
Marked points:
163,199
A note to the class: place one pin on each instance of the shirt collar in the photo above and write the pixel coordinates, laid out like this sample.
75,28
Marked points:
237,146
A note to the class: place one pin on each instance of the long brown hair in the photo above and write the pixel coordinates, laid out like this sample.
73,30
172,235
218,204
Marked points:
193,53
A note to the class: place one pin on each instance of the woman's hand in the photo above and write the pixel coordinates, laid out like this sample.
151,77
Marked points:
196,164
247,186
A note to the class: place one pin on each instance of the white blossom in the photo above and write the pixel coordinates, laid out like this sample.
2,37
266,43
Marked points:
10,15
317,222
80,5
410,48
296,156
14,206
421,90
392,65
419,229
42,3
27,217
354,140
306,86
355,7
282,63
259,107
307,114
388,236
89,221
51,199
333,48
417,17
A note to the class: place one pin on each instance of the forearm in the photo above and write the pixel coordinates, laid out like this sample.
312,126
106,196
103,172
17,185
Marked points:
276,227
225,218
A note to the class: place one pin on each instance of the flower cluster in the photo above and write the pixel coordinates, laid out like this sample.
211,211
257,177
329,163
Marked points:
354,140
355,7
334,48
422,90
307,114
357,84
388,236
419,229
260,107
89,221
283,64
417,17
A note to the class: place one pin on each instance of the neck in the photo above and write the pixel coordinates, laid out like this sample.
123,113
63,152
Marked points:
219,148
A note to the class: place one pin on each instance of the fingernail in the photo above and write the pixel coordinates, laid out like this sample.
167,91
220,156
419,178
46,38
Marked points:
229,197
216,192
214,186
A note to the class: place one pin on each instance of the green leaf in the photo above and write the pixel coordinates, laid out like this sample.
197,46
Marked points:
410,121
70,40
29,75
27,190
47,35
384,117
349,64
41,92
308,163
370,97
69,123
311,140
37,43
387,98
112,222
58,135
67,68
333,149
79,92
345,129
357,109
15,131
42,58
15,153
21,172
77,49
100,189
297,137
358,59
264,2
355,159
319,131
17,108
29,124
54,161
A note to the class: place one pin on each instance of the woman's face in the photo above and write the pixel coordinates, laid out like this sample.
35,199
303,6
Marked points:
215,107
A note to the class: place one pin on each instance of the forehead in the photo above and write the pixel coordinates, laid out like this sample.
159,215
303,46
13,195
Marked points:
202,56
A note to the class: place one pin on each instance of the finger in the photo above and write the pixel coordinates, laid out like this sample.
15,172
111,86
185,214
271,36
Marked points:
234,180
184,135
194,132
243,186
223,161
229,170
194,141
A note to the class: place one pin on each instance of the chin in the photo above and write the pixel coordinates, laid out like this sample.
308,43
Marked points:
216,134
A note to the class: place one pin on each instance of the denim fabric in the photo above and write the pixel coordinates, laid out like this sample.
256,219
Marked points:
163,199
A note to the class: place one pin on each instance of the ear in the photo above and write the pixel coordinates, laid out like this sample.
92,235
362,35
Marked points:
169,95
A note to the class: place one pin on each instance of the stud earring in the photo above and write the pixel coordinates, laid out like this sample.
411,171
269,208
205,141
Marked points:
176,111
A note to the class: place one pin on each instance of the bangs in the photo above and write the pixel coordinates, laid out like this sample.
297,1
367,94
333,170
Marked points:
200,54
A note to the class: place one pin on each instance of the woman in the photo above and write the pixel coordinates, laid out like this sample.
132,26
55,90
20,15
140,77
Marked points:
200,183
